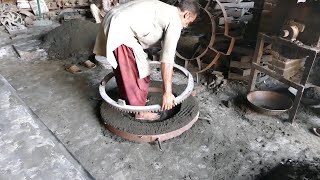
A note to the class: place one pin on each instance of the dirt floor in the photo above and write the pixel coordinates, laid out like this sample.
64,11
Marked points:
229,141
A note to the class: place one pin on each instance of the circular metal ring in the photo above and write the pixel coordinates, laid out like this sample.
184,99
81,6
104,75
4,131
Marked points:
151,108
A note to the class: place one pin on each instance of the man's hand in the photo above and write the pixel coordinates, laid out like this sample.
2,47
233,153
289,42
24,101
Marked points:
168,101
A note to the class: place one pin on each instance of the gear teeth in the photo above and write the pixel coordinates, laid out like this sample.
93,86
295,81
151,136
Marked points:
129,110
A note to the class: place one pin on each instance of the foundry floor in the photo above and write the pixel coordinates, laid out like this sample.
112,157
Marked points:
227,142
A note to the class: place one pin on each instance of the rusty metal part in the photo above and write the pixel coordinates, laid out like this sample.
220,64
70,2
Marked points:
151,138
226,35
12,21
290,32
151,108
159,144
269,102
210,48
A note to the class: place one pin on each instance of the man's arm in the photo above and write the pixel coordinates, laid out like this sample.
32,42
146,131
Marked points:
168,99
172,35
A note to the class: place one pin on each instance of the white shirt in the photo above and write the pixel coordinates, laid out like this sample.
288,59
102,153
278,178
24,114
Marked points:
140,24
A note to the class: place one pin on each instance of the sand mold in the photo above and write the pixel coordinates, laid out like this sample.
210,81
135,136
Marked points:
182,115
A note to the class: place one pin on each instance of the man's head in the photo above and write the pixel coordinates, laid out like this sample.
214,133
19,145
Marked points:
189,9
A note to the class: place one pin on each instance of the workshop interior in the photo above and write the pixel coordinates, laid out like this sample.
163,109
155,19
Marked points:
245,80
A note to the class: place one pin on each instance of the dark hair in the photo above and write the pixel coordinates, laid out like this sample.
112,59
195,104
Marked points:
189,5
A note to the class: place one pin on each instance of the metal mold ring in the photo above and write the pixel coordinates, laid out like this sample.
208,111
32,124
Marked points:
120,105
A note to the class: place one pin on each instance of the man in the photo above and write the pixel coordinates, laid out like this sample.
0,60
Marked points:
130,28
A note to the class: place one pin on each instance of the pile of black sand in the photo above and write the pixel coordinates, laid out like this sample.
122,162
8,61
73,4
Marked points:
312,93
294,170
73,39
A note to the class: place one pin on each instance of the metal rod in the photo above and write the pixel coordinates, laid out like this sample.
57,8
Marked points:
39,9
159,144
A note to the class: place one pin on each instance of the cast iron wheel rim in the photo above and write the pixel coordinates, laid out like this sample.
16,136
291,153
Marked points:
150,108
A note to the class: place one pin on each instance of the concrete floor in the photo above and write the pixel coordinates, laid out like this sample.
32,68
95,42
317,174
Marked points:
225,143
28,148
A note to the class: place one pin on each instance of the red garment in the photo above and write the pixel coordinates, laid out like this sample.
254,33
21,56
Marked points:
132,89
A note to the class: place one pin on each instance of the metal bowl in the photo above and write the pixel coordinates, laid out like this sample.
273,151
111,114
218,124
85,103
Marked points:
269,102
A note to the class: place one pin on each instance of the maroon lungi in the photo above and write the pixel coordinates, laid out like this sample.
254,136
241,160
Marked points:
131,88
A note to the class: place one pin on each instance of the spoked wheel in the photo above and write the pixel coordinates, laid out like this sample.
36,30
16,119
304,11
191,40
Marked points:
197,43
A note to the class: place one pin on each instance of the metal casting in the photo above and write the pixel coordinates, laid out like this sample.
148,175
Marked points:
121,105
12,21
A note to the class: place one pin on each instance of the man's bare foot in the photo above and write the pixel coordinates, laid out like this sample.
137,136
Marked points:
147,116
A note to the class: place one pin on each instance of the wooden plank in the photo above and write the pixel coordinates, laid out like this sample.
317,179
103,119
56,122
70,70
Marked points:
13,2
286,65
287,73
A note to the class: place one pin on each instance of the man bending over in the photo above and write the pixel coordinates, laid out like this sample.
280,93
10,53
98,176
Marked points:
127,30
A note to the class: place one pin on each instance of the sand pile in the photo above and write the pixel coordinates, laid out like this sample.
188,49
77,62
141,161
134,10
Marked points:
72,39
294,170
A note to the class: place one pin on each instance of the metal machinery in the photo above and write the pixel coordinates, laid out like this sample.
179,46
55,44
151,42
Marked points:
299,38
